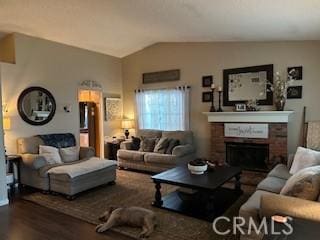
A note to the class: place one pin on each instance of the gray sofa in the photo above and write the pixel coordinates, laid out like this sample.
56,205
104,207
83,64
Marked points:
66,178
157,162
266,201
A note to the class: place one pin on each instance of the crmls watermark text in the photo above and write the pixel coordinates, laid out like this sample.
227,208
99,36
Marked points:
244,226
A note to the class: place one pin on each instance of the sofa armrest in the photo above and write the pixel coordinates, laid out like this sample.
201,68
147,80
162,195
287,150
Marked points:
87,152
273,204
127,145
183,150
34,161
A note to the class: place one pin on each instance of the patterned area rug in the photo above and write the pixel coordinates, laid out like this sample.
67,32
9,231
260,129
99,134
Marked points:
136,189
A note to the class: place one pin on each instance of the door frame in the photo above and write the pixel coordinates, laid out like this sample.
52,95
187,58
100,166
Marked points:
99,103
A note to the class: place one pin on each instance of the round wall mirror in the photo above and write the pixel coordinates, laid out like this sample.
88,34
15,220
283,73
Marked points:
36,106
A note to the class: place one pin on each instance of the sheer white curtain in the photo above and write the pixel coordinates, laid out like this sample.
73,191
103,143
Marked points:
163,109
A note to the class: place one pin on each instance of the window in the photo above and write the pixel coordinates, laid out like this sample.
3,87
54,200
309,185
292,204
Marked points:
163,109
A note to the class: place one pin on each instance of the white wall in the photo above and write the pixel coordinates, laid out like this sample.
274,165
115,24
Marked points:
58,68
3,182
198,59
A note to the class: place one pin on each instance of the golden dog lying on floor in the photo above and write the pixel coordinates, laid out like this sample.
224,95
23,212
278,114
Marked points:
128,216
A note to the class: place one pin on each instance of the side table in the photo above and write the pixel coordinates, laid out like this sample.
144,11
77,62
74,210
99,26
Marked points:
14,160
112,149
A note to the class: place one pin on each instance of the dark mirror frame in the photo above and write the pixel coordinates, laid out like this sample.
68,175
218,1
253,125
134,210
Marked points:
227,72
25,117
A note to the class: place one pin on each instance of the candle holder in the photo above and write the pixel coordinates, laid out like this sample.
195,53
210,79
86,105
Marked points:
212,108
220,108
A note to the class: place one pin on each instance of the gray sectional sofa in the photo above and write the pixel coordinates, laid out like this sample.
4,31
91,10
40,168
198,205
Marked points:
66,178
266,201
157,162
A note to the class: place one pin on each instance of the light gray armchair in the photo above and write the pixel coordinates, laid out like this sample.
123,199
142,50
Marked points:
68,178
157,162
34,167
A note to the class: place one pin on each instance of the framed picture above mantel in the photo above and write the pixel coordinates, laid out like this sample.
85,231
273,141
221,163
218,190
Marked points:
247,83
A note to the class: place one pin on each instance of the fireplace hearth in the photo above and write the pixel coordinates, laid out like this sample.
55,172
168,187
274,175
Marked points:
248,156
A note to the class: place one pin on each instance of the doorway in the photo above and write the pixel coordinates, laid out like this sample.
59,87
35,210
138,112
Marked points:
91,121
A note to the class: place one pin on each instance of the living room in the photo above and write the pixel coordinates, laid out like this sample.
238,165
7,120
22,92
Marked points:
173,67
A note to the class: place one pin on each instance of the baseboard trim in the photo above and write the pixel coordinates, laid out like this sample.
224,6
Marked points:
4,202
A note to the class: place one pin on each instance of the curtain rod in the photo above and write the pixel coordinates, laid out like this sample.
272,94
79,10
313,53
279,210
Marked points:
162,88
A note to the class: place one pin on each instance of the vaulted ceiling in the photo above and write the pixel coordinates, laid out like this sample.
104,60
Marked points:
121,27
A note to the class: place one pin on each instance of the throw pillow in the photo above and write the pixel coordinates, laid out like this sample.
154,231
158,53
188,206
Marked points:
51,154
304,158
305,184
148,144
70,154
172,144
161,145
135,143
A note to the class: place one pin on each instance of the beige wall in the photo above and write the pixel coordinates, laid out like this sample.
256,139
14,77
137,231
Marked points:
7,49
60,69
3,183
198,59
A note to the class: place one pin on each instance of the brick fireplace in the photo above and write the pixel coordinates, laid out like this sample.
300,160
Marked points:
255,154
276,142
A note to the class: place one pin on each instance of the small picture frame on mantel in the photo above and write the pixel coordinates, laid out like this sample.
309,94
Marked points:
241,107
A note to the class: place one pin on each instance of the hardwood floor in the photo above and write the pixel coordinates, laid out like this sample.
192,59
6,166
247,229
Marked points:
24,220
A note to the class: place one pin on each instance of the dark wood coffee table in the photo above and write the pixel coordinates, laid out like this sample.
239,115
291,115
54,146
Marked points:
208,200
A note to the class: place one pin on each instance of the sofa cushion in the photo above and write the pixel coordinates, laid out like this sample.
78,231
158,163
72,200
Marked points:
148,144
51,154
70,154
271,184
59,140
184,137
162,145
280,171
305,184
80,168
131,155
29,145
172,144
251,208
135,144
159,158
304,158
150,133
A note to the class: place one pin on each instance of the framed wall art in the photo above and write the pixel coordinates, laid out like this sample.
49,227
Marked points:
295,73
207,96
207,81
294,92
112,108
243,84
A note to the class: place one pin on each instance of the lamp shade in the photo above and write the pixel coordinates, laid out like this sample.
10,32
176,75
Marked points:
127,124
6,123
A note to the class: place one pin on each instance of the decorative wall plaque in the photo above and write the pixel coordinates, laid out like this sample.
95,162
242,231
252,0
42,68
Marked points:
162,76
245,130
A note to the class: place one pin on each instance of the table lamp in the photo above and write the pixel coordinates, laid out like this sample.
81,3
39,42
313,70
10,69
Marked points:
126,125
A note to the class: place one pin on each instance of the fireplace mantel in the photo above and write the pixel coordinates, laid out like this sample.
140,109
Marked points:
247,117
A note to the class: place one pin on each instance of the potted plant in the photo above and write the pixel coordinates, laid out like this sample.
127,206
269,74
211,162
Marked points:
279,87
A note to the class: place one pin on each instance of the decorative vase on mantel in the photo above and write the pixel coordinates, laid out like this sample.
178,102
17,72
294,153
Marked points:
280,104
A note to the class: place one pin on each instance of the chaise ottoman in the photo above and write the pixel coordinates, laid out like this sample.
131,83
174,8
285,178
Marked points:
77,177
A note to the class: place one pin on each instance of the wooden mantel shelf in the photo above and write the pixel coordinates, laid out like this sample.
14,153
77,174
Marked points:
247,117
